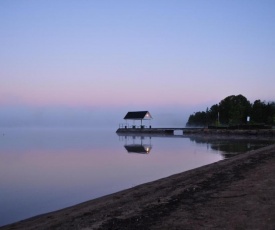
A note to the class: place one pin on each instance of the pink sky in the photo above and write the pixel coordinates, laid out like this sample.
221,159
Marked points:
135,55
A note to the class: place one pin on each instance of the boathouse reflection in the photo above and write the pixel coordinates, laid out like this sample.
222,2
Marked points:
137,144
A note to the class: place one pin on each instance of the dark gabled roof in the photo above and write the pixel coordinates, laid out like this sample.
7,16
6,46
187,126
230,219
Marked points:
138,115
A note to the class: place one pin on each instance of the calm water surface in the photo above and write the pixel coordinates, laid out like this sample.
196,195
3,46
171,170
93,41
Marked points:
42,170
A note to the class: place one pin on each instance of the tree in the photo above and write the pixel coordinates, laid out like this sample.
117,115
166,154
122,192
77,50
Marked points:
263,113
270,113
258,112
234,110
213,114
197,119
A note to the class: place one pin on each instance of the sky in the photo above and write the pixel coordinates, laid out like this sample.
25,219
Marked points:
89,62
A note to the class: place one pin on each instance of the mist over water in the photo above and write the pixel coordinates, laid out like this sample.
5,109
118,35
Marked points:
92,117
45,169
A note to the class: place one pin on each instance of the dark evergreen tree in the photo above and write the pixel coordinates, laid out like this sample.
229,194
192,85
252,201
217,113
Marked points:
258,112
270,113
197,119
213,114
234,110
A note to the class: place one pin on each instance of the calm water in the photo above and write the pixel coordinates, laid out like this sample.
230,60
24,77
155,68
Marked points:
42,170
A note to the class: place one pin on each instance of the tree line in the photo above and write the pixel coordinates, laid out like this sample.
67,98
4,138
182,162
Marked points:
235,110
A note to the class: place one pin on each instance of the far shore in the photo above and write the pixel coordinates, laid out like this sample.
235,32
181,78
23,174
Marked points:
201,131
236,193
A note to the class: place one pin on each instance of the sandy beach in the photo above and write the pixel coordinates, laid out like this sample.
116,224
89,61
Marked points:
236,193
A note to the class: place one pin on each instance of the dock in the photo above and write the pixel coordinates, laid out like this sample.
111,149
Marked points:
184,131
142,129
164,131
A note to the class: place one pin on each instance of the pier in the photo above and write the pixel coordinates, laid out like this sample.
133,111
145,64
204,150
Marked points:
164,131
142,129
203,131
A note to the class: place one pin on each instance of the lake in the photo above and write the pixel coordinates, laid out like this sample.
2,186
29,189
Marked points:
46,169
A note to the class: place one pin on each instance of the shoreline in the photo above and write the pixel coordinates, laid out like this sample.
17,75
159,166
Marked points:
207,197
197,131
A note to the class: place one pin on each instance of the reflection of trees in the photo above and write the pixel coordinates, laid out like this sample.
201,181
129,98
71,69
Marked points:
225,145
231,147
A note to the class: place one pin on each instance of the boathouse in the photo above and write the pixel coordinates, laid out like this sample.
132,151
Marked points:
138,115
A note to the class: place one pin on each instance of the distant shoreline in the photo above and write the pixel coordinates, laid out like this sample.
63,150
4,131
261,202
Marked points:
204,131
201,198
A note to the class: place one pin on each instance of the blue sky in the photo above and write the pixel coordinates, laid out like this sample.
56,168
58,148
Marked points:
169,57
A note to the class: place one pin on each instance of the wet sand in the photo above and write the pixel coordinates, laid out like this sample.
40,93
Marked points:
236,193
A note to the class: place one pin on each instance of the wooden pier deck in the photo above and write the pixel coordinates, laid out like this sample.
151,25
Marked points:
166,131
203,131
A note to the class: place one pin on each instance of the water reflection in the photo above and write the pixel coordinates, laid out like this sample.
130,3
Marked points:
137,144
42,170
134,148
231,146
227,146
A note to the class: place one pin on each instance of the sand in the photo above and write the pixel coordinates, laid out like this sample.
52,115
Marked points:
236,193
